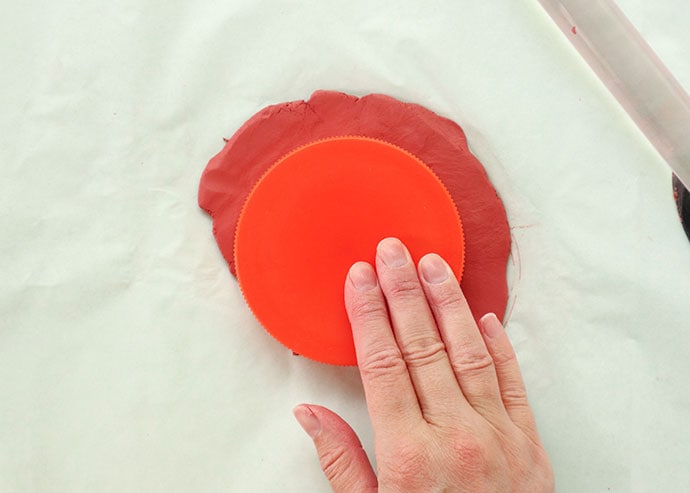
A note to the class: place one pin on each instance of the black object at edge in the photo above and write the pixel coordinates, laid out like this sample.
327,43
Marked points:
683,202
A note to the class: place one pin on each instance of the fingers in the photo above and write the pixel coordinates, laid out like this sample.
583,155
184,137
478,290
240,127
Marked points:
390,396
340,452
469,357
512,386
416,332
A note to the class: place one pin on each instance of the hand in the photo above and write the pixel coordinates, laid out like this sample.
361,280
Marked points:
447,401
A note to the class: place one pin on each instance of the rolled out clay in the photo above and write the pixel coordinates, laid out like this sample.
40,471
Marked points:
439,142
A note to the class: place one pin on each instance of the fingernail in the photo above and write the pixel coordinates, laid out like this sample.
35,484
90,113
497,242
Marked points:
307,420
434,269
362,276
490,325
392,252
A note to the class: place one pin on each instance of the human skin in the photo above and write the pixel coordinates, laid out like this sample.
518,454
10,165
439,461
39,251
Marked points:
445,396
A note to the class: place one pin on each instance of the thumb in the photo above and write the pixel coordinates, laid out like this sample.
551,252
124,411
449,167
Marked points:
340,452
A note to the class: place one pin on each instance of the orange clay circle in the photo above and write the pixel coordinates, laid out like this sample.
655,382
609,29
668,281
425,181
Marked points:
316,212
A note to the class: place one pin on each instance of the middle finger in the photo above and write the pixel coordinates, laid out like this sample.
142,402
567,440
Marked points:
416,333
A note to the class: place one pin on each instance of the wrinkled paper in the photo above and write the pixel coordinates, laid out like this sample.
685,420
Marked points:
128,359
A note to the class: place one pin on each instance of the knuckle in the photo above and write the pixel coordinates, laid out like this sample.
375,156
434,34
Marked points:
473,362
471,455
367,309
468,450
404,289
515,396
335,462
505,357
382,362
449,299
534,469
406,466
423,351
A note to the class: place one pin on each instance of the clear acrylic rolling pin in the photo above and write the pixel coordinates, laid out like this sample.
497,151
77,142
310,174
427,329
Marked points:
633,73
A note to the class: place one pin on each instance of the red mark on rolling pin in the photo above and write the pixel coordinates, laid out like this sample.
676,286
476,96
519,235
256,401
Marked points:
574,30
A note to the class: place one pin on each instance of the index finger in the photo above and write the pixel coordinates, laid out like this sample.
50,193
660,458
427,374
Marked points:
391,398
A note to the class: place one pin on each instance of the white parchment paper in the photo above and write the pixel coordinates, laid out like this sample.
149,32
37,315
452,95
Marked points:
128,360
